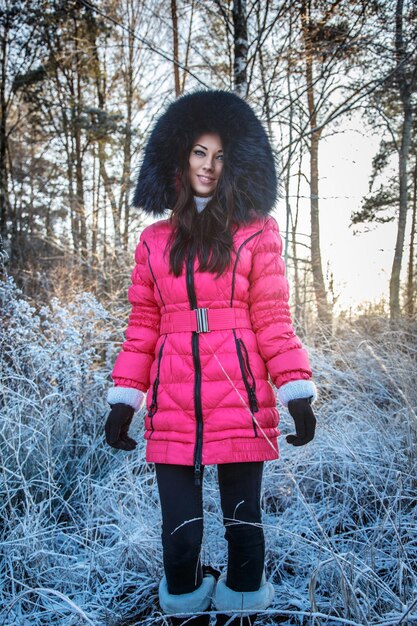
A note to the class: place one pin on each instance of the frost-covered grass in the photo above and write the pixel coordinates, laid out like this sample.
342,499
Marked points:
80,529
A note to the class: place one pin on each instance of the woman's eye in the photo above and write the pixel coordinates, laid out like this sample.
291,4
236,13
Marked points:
200,153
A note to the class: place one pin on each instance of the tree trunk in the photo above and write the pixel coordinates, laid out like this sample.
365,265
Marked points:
323,308
95,213
127,139
115,209
405,89
240,38
290,154
4,182
102,157
298,310
78,153
187,49
263,75
411,261
67,123
75,231
174,17
394,287
127,159
79,189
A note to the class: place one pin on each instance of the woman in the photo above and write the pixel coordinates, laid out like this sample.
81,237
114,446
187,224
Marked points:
209,330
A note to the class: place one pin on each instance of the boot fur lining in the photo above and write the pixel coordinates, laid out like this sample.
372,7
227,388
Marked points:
229,601
193,602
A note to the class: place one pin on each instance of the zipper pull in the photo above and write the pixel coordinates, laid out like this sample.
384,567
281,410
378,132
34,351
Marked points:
154,406
253,401
197,474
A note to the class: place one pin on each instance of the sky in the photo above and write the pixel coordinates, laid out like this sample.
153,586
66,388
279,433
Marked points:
361,264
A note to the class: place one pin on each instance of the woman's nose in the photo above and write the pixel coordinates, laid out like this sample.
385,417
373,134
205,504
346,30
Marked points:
208,164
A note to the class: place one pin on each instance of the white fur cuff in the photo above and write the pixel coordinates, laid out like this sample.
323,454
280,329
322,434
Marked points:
193,602
229,601
127,395
297,389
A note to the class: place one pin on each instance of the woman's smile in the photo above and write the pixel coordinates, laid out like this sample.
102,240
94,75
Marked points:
205,179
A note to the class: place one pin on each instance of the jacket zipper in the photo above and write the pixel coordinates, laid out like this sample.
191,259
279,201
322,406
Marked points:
246,374
154,404
197,365
198,450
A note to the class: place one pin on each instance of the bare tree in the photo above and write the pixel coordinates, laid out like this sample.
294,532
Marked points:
19,43
174,16
313,30
406,74
240,41
411,287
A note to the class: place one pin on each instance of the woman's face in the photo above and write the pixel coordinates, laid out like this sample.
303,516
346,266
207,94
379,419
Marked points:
205,164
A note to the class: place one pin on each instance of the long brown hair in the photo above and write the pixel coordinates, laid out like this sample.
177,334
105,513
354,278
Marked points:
207,235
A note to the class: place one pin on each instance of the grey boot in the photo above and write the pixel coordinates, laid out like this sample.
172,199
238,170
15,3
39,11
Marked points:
239,608
188,604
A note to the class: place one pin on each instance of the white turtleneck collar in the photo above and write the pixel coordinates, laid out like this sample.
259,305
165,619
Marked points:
201,202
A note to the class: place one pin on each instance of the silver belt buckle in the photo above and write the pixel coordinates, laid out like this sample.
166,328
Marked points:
202,320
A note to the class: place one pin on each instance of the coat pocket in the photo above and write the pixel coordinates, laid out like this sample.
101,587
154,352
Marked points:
248,378
154,404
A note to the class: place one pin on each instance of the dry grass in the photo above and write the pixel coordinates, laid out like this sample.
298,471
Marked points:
80,533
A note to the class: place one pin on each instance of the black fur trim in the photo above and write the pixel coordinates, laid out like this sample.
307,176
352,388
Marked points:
248,156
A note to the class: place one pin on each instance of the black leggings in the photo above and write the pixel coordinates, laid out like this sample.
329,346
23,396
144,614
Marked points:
182,525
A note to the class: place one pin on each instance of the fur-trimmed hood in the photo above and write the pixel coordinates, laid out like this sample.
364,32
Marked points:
248,156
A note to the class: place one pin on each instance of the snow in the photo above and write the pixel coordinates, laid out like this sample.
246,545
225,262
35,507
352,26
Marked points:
81,524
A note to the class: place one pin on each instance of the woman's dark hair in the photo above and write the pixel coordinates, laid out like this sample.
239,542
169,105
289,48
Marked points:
207,235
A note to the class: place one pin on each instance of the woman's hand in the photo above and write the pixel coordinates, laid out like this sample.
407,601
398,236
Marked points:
305,422
117,426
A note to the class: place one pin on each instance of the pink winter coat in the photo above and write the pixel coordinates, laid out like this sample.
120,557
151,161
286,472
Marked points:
210,395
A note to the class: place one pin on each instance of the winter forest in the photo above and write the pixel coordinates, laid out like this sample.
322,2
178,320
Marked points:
335,84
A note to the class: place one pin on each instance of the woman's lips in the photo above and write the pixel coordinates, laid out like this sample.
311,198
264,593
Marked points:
205,180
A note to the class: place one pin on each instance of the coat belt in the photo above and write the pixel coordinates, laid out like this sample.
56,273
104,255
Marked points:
204,320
